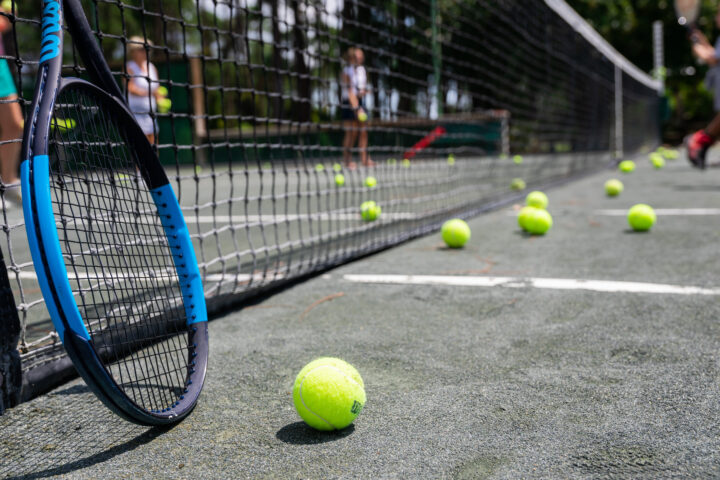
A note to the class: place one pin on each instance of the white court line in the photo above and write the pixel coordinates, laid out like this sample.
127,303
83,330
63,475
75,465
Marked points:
665,212
543,283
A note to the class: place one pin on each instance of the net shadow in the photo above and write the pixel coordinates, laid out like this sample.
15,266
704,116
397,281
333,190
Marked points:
63,432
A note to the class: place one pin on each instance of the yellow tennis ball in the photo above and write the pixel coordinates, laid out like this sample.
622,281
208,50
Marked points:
6,5
370,182
518,159
627,166
319,167
370,211
537,199
162,91
518,184
657,160
164,105
538,222
362,116
641,217
337,167
524,214
392,161
455,233
329,394
64,124
451,159
613,188
339,179
406,162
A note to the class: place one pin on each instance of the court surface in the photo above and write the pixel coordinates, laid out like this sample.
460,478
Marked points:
591,351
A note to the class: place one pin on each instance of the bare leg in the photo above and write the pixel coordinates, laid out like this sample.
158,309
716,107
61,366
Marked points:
11,128
363,146
348,142
151,138
714,128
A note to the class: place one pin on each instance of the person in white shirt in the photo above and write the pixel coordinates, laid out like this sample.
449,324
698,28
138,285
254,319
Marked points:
361,89
142,87
353,84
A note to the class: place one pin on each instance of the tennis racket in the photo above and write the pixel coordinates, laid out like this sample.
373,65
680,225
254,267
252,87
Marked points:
109,243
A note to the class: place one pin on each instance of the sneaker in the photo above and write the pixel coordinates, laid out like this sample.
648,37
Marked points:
697,146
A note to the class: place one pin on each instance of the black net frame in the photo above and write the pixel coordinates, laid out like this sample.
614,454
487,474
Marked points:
255,128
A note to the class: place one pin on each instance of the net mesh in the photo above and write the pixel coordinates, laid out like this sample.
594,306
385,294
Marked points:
261,123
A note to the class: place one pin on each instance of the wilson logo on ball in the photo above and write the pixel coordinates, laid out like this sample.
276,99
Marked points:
356,407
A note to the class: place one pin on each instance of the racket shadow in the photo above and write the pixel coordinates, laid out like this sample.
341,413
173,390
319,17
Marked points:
65,431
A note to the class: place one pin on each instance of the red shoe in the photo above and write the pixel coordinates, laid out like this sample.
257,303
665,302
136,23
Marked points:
697,146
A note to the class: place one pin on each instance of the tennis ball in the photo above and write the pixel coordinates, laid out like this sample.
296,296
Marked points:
641,217
319,167
337,167
518,159
627,166
370,211
451,159
339,179
64,124
518,184
503,156
329,394
671,154
162,91
370,182
455,233
122,178
6,5
657,160
537,199
538,222
406,162
267,165
164,105
613,188
362,116
392,161
198,169
524,214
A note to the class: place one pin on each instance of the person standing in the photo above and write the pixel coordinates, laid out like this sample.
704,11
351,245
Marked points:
143,87
699,142
11,123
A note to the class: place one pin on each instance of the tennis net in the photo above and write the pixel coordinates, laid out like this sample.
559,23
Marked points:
260,123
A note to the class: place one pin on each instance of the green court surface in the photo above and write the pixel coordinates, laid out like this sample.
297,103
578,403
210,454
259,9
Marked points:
589,352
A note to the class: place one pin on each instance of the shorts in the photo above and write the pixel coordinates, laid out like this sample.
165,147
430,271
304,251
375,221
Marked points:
7,84
347,112
146,122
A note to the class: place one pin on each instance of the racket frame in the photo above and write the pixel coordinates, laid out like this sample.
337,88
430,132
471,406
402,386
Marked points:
45,245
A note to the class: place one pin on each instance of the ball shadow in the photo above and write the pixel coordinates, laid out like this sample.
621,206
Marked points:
630,231
299,433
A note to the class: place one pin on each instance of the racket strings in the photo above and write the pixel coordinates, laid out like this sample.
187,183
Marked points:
117,255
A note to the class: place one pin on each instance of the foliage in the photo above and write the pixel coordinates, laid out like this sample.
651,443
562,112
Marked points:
627,25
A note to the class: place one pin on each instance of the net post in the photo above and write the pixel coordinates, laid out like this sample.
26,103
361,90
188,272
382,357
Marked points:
659,55
619,127
437,55
10,368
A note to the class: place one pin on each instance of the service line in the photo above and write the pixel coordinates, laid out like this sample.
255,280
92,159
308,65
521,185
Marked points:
542,283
